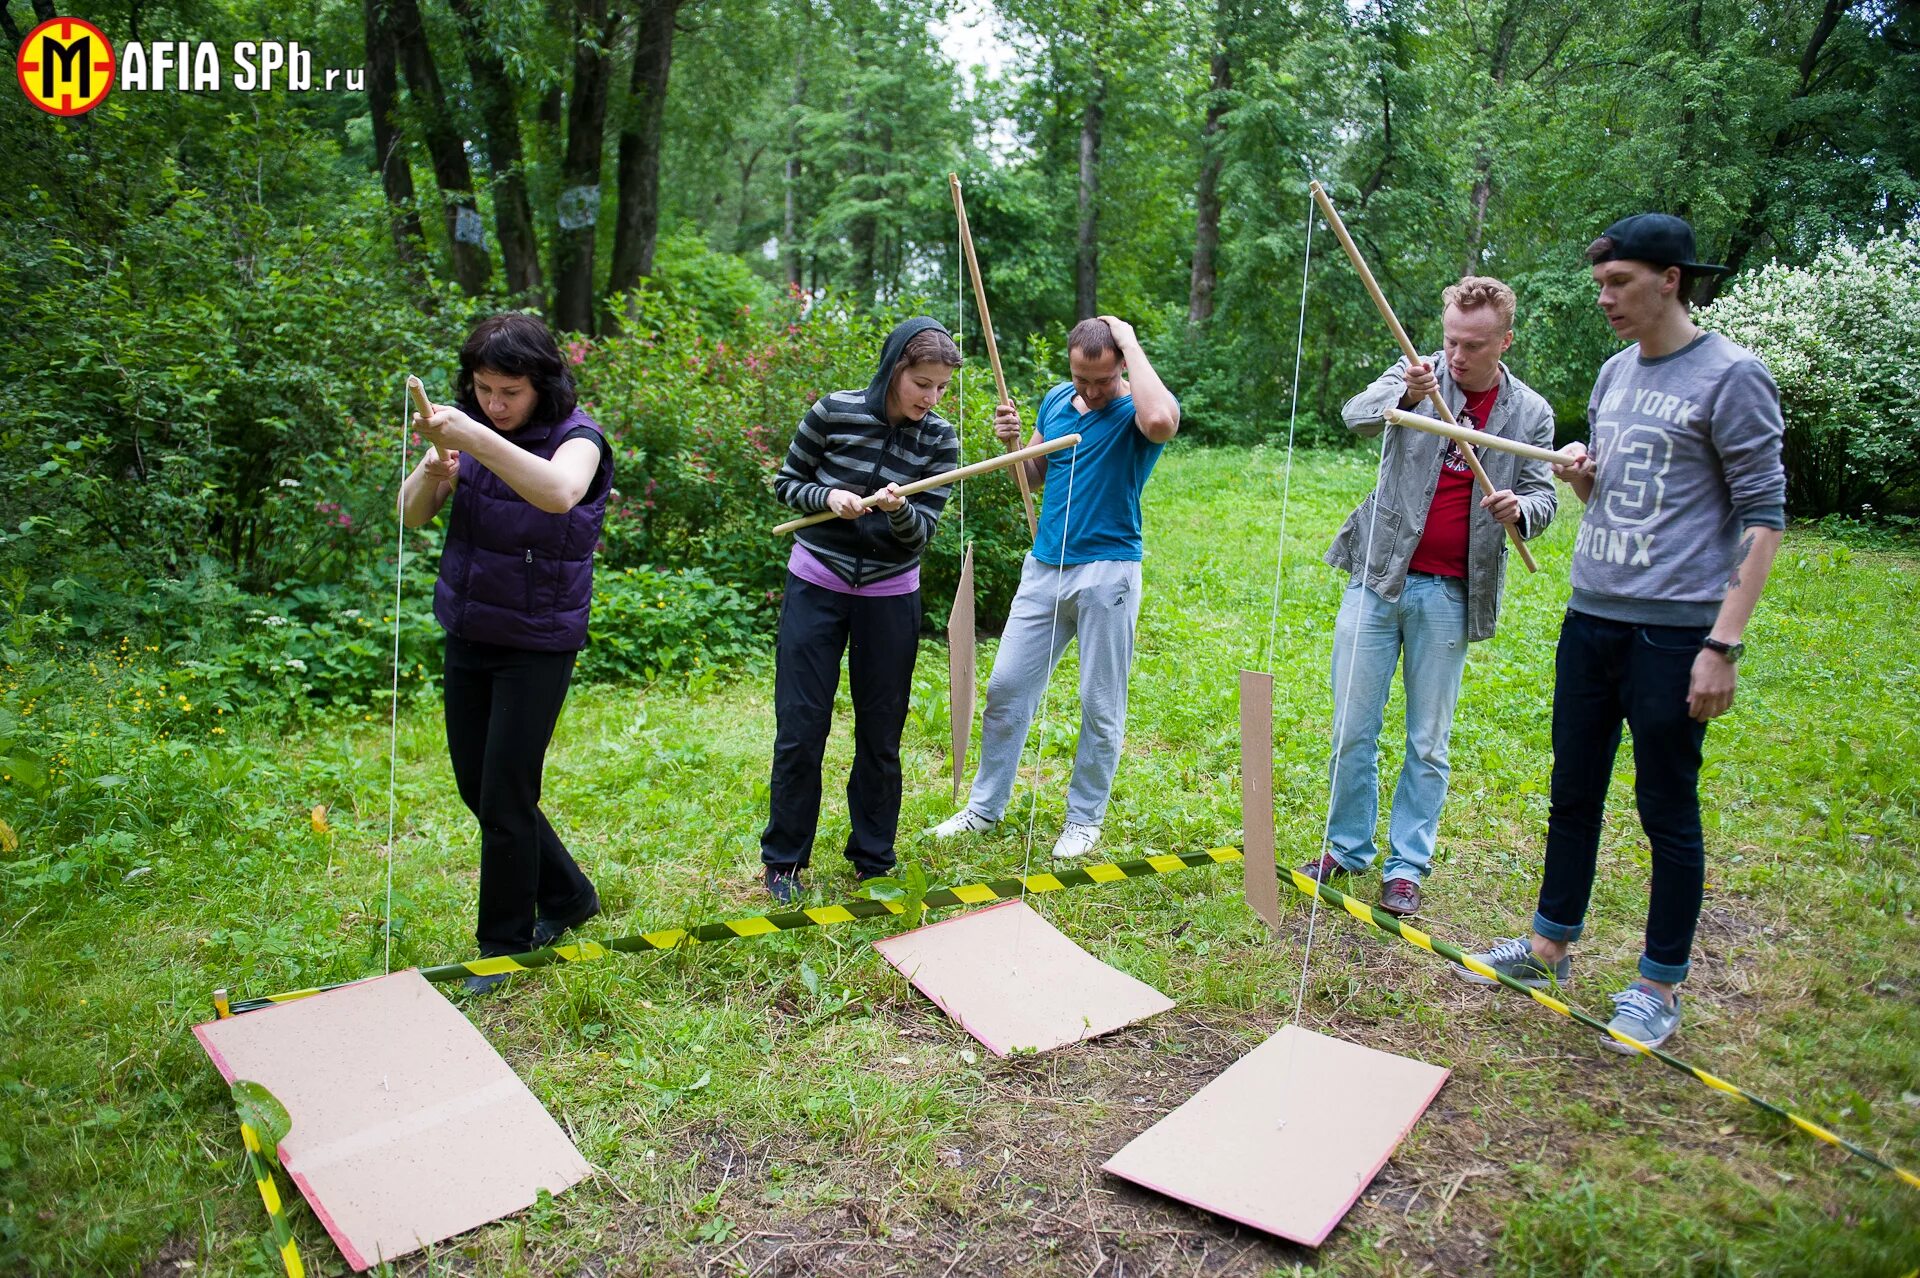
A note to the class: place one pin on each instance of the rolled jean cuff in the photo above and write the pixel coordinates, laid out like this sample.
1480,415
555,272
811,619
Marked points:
1665,973
1561,932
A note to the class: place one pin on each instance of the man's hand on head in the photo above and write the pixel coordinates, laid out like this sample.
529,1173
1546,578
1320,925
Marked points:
1123,334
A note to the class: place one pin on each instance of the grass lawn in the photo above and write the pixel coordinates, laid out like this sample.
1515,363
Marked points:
788,1105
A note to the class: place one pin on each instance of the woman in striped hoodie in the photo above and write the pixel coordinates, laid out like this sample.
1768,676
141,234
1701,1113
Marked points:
853,586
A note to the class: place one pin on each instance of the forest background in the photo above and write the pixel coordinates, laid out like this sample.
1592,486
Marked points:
214,295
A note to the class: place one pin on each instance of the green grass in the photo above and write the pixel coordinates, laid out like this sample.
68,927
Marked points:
792,1093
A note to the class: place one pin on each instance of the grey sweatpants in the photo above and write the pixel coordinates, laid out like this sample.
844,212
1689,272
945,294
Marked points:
1100,603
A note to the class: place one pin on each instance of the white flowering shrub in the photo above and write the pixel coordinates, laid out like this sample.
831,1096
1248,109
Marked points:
1842,339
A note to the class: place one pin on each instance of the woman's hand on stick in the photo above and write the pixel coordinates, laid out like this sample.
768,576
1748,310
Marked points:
442,465
845,503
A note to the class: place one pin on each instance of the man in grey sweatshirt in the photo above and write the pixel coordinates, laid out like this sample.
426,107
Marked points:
1685,502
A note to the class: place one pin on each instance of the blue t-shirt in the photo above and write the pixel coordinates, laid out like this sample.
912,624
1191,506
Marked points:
1105,472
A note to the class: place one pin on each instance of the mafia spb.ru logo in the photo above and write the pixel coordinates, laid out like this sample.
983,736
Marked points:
65,66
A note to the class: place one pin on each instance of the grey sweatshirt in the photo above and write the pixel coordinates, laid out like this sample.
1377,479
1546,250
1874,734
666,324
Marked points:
1688,454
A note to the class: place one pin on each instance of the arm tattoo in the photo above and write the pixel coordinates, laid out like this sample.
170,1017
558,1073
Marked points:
1746,548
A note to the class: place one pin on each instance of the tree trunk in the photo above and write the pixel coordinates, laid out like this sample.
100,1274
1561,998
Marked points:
637,221
573,242
512,213
1754,224
1086,264
790,222
1502,57
1206,230
466,236
389,147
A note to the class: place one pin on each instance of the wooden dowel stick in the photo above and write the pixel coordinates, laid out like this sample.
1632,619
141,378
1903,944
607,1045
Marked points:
1413,356
1466,434
424,407
945,477
993,348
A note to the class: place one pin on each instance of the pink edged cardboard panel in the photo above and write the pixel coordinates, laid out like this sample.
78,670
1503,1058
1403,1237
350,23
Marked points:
1264,1145
407,1128
1015,982
963,668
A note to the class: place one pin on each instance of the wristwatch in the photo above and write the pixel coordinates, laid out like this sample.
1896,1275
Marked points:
1731,651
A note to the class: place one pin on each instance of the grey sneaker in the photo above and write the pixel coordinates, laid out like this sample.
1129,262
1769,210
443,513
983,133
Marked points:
1643,1014
1515,958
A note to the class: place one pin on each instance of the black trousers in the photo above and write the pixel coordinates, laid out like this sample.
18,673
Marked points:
501,705
1607,673
882,638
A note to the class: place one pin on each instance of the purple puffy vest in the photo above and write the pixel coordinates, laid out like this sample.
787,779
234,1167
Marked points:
510,573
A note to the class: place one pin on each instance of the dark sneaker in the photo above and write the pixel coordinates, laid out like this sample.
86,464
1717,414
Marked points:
478,985
1400,896
1324,869
547,931
1643,1014
784,885
1515,958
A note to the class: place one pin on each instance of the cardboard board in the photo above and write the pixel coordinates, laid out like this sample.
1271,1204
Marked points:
963,669
408,1128
1013,981
1259,876
1287,1138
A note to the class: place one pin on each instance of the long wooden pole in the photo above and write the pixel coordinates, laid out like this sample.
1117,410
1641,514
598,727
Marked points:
993,348
1019,456
1413,356
1468,435
424,407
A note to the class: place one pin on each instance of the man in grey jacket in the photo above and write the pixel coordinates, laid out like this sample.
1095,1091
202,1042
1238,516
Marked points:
1434,558
1685,499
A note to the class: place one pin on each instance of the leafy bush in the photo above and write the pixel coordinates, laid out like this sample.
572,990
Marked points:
647,623
700,424
1842,338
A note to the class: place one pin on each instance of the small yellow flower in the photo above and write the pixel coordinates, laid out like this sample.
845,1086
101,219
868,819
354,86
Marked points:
219,732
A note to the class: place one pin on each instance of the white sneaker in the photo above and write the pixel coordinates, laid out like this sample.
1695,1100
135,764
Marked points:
1075,840
965,821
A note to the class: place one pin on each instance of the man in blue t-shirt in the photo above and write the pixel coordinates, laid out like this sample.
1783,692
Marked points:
1083,577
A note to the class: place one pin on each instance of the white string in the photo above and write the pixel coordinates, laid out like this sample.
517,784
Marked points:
393,705
1340,718
1046,689
1286,480
960,390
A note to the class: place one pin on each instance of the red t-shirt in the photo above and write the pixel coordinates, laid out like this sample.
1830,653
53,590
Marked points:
1443,546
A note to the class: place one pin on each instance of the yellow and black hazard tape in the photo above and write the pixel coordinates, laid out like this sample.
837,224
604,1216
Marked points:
270,1195
1414,936
793,920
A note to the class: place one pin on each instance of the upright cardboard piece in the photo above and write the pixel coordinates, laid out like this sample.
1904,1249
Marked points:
1013,981
1287,1138
408,1128
963,670
1260,878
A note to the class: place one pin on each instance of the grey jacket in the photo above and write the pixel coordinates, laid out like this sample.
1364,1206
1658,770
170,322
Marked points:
1410,471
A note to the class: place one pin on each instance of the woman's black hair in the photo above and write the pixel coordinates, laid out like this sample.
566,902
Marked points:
516,344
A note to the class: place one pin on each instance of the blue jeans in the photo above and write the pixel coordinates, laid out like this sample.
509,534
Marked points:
1428,623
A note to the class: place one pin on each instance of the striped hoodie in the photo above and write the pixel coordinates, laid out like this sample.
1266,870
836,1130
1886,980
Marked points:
845,441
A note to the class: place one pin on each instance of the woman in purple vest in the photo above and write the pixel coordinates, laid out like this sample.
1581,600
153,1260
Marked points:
853,586
516,583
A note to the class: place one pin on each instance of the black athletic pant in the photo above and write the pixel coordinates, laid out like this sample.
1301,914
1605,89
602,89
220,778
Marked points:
1607,673
501,705
882,637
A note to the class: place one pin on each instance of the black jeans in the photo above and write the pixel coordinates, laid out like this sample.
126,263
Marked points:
501,705
816,626
1607,673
